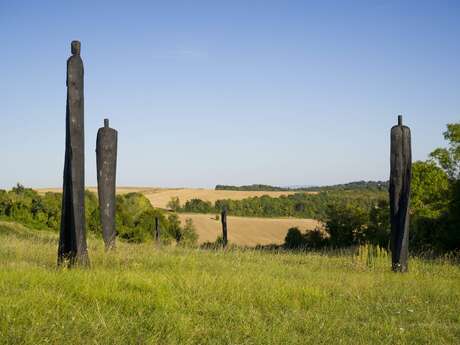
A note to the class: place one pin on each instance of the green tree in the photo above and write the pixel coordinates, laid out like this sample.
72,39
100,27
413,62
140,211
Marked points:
378,228
450,237
174,204
435,224
146,222
51,203
315,239
198,206
92,215
294,239
346,224
449,158
174,227
189,236
430,189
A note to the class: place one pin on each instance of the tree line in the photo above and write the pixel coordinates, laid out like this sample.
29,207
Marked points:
356,185
135,216
300,205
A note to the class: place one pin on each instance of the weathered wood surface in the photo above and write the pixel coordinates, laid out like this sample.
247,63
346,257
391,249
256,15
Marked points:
72,240
400,182
106,160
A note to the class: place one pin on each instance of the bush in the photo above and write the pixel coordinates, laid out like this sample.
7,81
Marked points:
346,224
294,239
379,228
198,206
189,235
315,239
174,204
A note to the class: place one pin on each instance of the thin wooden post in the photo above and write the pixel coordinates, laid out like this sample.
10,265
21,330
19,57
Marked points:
157,230
223,217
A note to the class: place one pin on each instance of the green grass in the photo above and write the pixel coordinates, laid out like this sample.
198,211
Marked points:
143,295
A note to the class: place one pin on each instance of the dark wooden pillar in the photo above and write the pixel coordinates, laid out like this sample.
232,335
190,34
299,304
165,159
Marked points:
72,238
106,159
400,181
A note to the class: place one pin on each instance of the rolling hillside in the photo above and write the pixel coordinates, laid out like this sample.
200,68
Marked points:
159,197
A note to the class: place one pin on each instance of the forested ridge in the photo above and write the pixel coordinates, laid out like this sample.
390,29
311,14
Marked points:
356,185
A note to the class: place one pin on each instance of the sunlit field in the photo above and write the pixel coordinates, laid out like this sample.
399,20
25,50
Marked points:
247,231
160,197
142,294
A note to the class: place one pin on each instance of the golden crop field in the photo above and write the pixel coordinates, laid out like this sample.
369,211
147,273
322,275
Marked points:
159,197
120,190
247,231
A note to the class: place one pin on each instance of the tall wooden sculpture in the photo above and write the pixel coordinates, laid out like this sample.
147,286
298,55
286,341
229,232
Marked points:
400,180
223,217
72,240
106,159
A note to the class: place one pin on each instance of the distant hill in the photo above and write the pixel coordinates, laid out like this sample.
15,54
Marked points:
254,188
356,185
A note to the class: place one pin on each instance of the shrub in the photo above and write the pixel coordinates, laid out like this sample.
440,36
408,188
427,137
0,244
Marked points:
315,239
174,204
346,224
198,206
189,236
294,239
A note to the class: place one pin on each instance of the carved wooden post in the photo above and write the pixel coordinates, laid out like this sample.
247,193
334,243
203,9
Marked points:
223,217
106,158
400,180
72,239
157,230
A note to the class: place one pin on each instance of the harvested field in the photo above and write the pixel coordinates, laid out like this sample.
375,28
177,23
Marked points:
247,231
120,190
159,197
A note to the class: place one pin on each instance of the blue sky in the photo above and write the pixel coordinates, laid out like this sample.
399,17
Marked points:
228,92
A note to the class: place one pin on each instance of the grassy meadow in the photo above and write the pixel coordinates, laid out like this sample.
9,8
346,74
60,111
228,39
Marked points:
141,294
